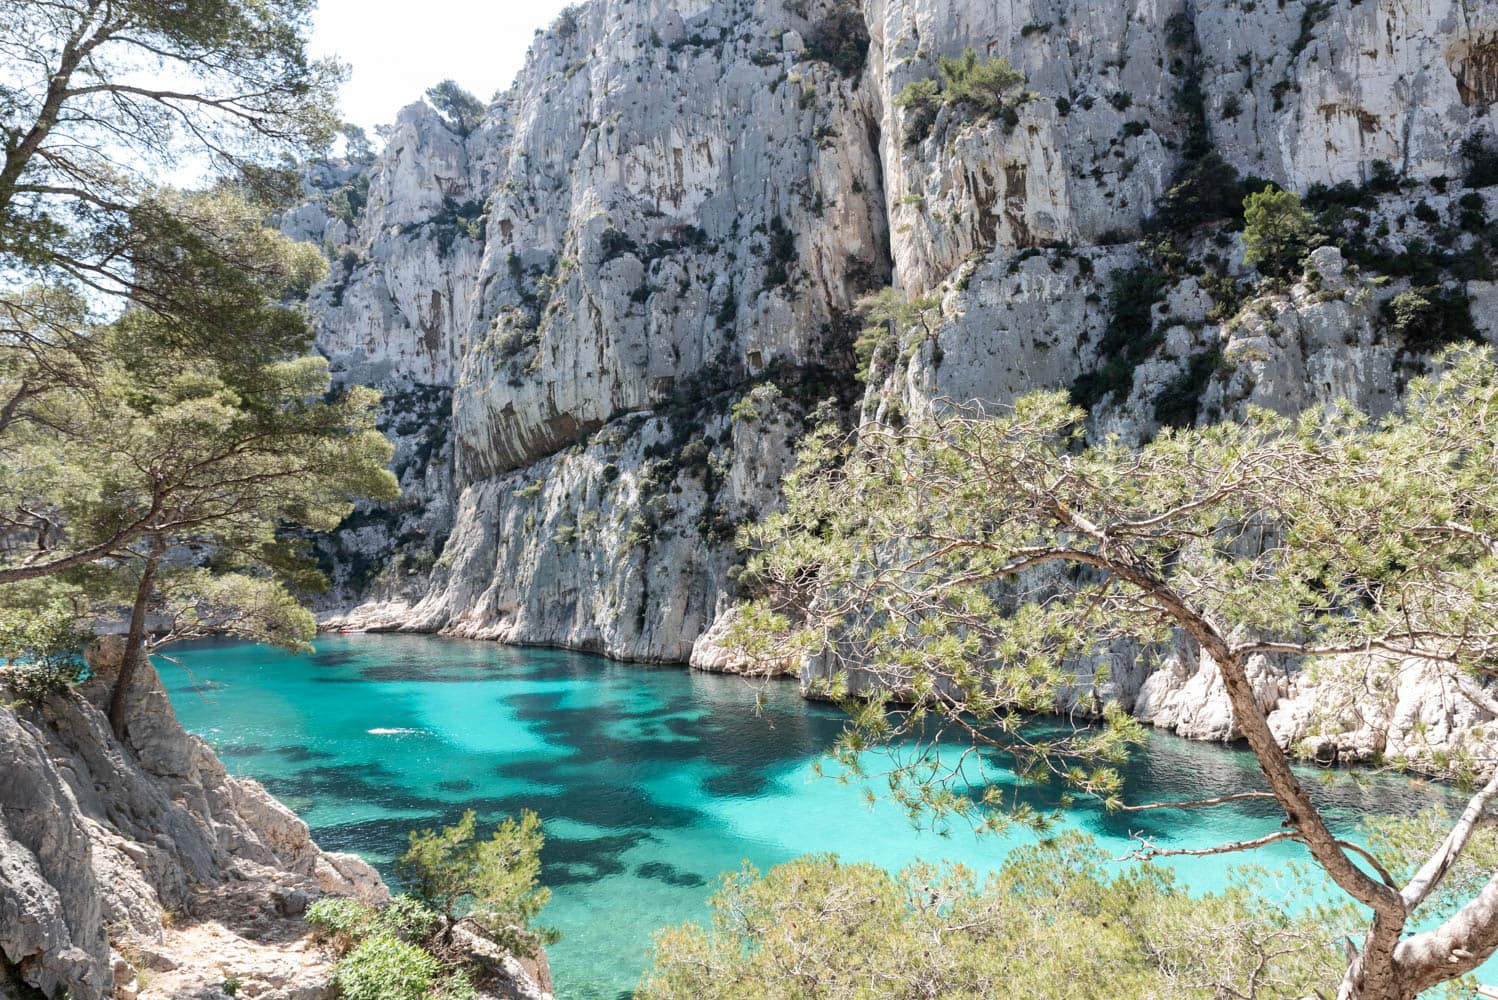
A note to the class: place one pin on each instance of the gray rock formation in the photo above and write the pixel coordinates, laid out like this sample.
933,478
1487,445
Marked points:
664,225
100,842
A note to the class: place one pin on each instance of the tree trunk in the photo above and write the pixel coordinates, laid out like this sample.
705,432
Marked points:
135,639
1373,974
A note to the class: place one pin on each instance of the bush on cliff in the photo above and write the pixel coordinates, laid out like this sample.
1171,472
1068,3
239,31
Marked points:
981,89
387,952
406,949
1277,232
493,884
383,967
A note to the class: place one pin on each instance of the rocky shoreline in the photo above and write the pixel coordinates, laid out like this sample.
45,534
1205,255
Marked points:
140,869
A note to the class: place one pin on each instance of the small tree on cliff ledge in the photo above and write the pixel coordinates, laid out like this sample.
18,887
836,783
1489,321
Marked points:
970,569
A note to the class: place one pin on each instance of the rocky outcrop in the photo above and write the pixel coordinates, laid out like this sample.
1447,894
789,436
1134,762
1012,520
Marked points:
606,314
110,851
620,544
139,869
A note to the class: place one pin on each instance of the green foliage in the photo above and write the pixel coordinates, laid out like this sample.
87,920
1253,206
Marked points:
780,254
157,431
978,89
758,403
1207,190
347,203
841,39
918,555
389,951
1277,232
887,316
341,919
1429,317
383,967
41,641
356,145
493,882
142,416
86,136
1129,339
1401,842
459,109
1179,403
1054,922
1480,150
921,533
567,22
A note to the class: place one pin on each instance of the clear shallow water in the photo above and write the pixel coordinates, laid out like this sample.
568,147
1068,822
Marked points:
650,781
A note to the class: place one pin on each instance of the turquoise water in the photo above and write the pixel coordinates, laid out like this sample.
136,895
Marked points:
650,781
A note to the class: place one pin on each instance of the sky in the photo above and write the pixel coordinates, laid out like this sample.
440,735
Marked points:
397,48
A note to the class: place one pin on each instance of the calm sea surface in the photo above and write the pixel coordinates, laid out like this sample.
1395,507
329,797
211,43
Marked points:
650,781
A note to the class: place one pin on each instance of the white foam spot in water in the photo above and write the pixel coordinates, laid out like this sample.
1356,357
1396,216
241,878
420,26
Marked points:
394,732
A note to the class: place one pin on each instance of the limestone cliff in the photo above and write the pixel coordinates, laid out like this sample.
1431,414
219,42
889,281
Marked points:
606,314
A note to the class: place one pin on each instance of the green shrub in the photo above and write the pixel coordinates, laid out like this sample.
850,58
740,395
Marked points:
340,920
1481,153
981,89
41,645
841,39
780,254
459,109
1180,401
1277,231
408,918
757,403
457,986
886,315
1129,339
1056,921
383,967
493,882
614,244
1206,190
1429,317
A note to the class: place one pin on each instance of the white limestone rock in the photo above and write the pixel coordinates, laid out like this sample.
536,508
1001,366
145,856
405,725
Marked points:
98,839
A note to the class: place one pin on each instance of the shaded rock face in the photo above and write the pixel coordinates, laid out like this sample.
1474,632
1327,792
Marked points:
101,841
665,224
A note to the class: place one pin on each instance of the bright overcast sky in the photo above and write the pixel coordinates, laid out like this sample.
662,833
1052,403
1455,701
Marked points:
398,48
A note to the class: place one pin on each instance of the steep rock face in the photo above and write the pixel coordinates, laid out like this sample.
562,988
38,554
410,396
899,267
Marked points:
619,544
1067,167
1306,95
396,306
1319,91
680,203
678,187
672,212
99,840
